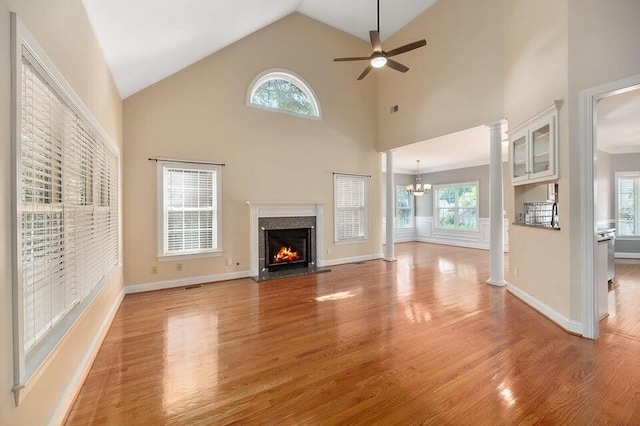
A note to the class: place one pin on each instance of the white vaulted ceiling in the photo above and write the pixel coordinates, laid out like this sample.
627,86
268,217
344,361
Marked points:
145,41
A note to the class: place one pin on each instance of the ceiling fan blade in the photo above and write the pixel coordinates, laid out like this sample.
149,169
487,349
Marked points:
375,41
396,65
355,58
407,47
365,72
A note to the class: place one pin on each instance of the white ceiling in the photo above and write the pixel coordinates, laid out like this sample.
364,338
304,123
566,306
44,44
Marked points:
145,41
618,129
467,148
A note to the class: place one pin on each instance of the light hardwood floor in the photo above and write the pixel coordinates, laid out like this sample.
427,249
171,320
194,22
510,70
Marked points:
420,341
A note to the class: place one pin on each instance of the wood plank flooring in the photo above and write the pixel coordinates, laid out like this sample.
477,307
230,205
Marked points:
420,341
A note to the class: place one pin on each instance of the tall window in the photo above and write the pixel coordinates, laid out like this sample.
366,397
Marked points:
456,206
628,204
404,208
284,92
350,215
65,206
189,209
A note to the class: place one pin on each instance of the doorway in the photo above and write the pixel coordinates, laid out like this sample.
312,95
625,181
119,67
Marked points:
589,100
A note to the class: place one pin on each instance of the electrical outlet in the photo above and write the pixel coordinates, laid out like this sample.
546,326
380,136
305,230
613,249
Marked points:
179,267
517,271
229,262
328,251
154,269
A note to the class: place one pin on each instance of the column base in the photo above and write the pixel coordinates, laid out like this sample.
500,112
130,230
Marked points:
497,283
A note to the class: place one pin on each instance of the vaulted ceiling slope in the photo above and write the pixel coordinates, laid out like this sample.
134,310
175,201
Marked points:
145,41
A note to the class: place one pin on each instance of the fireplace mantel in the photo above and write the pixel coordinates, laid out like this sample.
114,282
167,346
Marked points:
283,209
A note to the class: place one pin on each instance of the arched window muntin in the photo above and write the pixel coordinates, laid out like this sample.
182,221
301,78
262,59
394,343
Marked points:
292,78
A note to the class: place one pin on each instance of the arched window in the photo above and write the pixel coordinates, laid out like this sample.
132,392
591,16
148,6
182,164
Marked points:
283,91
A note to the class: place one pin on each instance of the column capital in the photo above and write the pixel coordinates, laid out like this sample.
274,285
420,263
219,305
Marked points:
496,124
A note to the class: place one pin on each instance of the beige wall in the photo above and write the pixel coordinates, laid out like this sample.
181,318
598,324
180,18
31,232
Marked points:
603,47
536,64
62,29
201,113
454,83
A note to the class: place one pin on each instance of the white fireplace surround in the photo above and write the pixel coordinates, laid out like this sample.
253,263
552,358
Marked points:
283,209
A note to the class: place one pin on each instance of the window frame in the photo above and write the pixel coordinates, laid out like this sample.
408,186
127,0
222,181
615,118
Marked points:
411,208
291,77
365,209
163,255
28,364
436,208
636,176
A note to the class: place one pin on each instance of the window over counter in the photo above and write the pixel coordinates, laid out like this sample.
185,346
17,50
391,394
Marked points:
350,208
283,91
65,206
404,208
189,210
628,204
456,205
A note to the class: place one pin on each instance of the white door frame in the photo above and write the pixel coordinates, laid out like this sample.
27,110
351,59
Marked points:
588,121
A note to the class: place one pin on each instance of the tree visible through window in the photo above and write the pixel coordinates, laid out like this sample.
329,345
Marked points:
404,208
456,206
285,92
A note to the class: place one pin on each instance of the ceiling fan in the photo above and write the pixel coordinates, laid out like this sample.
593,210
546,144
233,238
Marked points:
379,58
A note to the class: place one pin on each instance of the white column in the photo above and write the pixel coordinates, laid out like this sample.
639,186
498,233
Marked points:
496,276
389,249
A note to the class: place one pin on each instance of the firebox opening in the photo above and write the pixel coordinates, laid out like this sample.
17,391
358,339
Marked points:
288,248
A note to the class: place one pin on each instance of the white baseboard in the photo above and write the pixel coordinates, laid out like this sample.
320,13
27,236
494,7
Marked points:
354,259
466,244
82,370
621,255
555,316
161,285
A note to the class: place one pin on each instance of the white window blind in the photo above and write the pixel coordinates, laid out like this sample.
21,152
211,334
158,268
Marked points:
67,209
628,204
350,208
190,209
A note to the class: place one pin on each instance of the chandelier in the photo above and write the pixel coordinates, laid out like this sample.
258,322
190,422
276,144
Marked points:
418,189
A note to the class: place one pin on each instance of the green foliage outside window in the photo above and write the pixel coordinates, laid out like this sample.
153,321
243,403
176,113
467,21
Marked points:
404,208
457,206
283,95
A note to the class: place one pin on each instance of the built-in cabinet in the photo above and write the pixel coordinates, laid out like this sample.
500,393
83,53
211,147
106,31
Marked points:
533,149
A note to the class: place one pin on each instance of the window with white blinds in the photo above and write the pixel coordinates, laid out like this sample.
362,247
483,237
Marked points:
189,209
350,212
66,209
628,204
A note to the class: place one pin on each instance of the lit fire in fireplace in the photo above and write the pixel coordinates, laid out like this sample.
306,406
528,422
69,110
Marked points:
285,254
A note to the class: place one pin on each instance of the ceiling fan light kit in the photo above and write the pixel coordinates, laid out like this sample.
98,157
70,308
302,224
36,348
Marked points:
379,58
378,61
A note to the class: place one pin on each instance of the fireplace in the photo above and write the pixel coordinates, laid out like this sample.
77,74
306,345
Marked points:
287,248
270,218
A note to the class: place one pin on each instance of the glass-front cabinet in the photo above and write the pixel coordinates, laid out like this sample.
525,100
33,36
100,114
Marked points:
534,149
